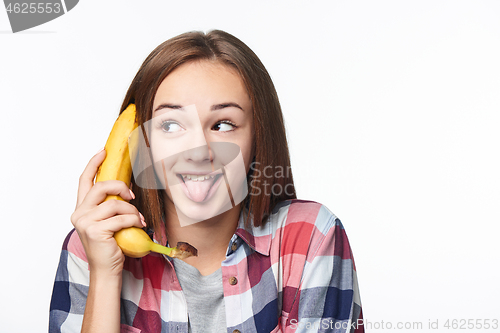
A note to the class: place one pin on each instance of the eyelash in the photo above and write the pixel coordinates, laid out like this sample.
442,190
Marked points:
228,122
162,123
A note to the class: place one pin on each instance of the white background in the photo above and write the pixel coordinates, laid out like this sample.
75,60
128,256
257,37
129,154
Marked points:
392,110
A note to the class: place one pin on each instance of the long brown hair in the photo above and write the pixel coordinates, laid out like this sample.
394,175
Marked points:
271,148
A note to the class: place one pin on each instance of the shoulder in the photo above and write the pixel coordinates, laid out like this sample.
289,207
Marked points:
315,263
308,228
304,215
73,246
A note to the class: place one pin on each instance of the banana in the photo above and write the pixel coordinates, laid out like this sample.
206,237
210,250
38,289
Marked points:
117,165
134,242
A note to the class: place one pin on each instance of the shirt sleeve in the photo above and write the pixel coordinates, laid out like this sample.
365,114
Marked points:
327,299
70,287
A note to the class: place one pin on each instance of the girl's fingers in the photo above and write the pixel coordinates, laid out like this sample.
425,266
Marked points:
96,233
87,177
98,193
120,222
112,208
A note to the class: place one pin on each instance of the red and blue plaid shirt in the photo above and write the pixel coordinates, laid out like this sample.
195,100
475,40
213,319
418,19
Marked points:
295,273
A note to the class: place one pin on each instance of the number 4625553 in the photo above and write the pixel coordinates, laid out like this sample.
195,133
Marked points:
32,8
471,324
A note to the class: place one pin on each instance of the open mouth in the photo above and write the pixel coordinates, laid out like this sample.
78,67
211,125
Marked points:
200,187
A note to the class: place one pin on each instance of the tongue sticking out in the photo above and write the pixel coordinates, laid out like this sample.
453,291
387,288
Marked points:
198,190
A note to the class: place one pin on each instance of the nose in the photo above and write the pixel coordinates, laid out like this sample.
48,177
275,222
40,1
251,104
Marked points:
200,151
199,154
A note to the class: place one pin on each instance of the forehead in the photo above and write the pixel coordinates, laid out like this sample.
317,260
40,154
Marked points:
200,82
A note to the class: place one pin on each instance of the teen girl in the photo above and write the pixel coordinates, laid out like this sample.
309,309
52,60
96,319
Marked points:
267,262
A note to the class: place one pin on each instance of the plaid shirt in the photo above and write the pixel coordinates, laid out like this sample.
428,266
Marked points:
295,273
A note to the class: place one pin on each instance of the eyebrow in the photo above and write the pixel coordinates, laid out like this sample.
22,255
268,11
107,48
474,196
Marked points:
225,105
168,106
215,107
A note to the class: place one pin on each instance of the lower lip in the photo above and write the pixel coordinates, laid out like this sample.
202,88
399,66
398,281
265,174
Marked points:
210,193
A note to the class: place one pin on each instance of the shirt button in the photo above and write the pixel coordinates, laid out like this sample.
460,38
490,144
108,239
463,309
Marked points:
236,331
234,246
232,281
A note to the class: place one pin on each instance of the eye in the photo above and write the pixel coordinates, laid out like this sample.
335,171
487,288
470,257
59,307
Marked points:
170,126
224,126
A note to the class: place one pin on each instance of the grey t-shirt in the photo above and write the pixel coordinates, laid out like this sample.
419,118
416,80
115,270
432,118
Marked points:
204,297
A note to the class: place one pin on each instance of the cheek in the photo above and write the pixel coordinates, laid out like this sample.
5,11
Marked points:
248,152
163,167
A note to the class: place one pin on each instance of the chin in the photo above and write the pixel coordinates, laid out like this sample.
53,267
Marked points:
190,212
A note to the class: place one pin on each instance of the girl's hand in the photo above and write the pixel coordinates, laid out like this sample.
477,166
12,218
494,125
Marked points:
97,220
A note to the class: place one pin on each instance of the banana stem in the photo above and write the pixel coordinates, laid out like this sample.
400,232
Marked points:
161,249
183,250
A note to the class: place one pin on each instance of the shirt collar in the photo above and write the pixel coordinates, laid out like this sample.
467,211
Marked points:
258,238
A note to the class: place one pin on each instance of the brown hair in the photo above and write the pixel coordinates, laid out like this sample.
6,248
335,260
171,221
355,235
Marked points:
271,148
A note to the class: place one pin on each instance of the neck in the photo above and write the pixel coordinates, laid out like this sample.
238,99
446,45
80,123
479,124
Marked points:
210,237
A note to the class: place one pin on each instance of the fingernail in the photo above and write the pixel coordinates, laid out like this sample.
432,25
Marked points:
132,194
143,221
100,150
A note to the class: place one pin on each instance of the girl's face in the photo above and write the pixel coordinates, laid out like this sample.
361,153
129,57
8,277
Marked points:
201,138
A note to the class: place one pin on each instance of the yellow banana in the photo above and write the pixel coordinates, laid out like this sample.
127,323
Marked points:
117,165
134,242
